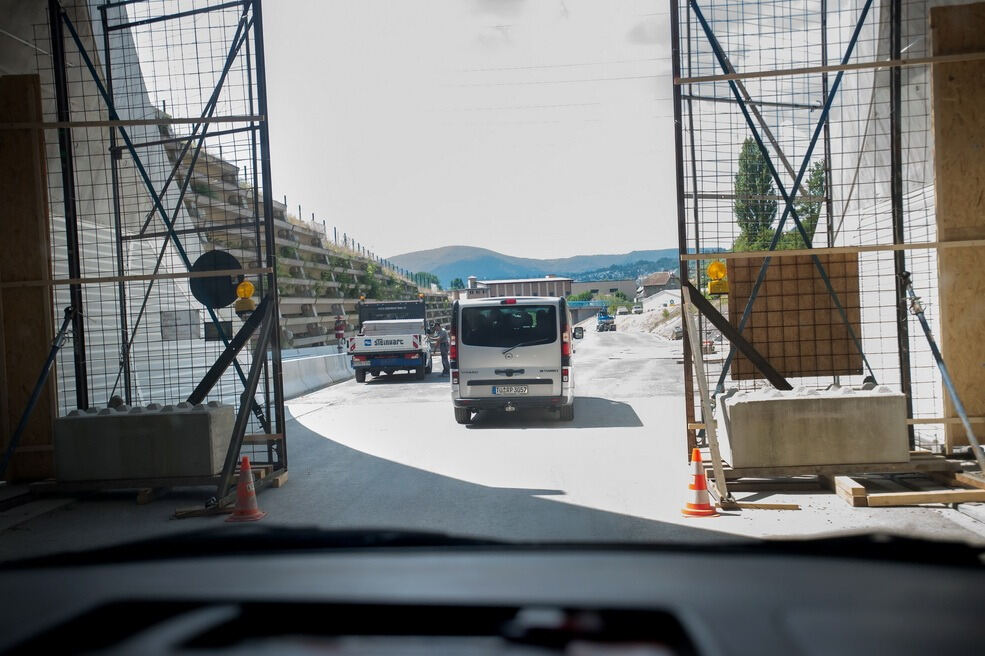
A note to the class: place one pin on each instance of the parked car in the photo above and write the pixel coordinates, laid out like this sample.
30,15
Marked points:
508,353
622,310
637,309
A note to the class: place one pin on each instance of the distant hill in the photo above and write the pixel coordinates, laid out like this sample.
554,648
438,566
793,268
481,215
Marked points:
627,271
451,262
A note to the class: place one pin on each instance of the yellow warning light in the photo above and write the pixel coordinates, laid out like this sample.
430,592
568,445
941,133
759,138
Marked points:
717,287
245,289
419,295
716,270
362,297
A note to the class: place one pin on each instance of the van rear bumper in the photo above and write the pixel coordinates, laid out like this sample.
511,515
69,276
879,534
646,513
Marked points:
486,403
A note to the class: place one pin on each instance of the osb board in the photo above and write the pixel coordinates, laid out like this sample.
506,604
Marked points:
794,323
958,94
25,319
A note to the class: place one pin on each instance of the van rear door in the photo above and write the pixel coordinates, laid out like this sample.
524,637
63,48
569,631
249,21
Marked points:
509,350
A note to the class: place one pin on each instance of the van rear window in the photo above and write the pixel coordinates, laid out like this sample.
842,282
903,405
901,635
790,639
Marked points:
509,325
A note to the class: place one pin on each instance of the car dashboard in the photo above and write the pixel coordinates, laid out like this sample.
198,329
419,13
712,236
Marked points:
493,600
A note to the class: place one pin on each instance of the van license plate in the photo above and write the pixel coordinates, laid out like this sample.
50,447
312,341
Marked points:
509,389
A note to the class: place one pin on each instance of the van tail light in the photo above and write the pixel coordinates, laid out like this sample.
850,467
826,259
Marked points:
566,347
452,345
454,376
564,375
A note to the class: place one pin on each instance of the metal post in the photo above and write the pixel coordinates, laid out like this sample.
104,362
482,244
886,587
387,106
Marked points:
117,216
826,136
68,197
675,49
896,194
258,250
268,214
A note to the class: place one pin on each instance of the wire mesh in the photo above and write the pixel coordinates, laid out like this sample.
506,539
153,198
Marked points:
845,195
153,197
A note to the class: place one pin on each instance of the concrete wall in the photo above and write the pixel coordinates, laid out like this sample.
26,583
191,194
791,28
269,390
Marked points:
627,287
307,374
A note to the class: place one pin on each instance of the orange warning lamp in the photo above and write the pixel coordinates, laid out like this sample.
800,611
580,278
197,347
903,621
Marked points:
244,305
245,289
718,285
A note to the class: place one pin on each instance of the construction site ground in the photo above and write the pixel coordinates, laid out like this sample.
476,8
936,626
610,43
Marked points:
388,453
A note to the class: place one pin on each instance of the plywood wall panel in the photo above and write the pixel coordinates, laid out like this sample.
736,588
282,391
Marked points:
25,318
794,323
959,135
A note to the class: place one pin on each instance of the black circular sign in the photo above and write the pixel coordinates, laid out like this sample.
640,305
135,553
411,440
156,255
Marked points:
215,291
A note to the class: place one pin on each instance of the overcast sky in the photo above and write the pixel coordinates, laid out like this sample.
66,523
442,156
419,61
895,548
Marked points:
538,128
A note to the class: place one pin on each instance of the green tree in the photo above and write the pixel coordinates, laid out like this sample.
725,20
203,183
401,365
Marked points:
583,296
457,283
754,211
809,210
425,278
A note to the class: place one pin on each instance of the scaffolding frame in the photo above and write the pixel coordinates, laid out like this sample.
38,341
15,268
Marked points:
694,35
261,373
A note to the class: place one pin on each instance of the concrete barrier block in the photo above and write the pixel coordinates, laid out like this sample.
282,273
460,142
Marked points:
773,428
147,442
305,375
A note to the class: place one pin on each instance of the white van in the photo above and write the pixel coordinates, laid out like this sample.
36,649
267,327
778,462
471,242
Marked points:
508,353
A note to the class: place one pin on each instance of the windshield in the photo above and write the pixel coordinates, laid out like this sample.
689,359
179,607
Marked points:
709,237
509,326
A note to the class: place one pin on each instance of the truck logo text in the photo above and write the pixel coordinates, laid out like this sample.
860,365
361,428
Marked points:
388,342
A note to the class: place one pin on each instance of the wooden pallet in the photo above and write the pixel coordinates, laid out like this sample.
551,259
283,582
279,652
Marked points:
861,485
911,490
920,461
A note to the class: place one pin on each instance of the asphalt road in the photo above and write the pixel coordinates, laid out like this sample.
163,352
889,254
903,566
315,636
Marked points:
388,453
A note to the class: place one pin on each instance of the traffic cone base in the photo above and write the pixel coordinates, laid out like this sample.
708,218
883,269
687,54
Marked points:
699,503
246,496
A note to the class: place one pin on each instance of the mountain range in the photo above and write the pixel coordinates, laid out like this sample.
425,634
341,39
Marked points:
450,262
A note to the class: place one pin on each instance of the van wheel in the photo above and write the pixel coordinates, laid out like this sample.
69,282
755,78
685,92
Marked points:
463,415
419,373
360,375
567,412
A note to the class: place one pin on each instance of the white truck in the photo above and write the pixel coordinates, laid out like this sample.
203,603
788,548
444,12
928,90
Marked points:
391,336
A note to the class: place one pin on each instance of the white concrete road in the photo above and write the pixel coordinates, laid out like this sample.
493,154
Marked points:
388,453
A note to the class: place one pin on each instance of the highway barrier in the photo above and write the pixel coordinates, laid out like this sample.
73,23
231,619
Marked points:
307,374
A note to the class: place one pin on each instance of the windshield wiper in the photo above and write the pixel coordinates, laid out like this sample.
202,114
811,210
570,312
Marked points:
542,340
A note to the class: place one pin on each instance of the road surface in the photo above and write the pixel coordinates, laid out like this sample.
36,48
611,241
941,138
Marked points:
388,453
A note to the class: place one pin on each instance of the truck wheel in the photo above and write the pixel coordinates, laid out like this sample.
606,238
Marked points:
419,373
463,415
360,375
567,412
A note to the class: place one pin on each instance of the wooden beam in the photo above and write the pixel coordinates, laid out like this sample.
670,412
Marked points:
52,125
831,68
833,250
180,275
883,500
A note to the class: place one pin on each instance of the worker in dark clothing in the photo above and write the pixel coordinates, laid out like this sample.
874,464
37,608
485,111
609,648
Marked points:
440,337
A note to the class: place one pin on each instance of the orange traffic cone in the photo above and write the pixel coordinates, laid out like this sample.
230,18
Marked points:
246,496
698,505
